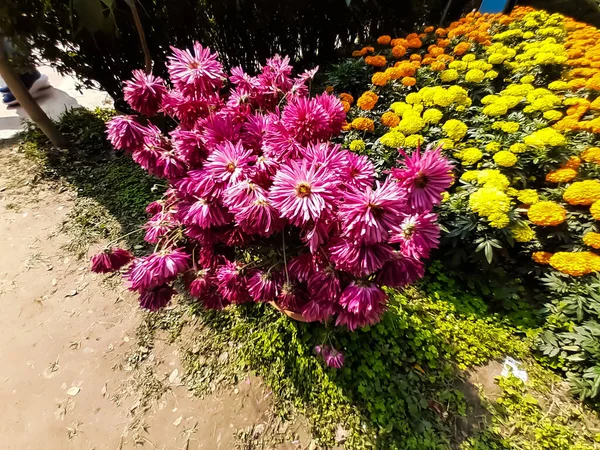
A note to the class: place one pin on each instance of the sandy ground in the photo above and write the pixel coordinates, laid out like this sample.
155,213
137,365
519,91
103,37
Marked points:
65,336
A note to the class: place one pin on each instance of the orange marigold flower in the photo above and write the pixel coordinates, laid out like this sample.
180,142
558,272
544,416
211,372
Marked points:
368,49
394,73
575,264
593,83
346,126
415,57
346,106
595,210
329,89
399,41
462,48
363,124
573,163
428,29
380,79
436,51
390,119
582,192
427,60
367,101
577,83
443,43
542,257
438,66
398,51
592,239
591,154
412,36
441,32
547,213
414,43
561,175
357,53
384,40
376,61
345,97
409,81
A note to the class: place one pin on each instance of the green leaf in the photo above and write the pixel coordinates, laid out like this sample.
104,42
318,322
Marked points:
90,13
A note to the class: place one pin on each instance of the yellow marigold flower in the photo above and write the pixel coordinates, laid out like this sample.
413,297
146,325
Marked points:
449,75
558,85
575,264
582,192
475,76
505,158
390,119
414,141
507,127
376,61
400,108
591,154
445,196
592,239
410,124
446,144
489,200
398,51
345,97
522,233
561,175
547,213
493,147
546,137
496,58
518,148
470,156
495,109
552,115
413,98
528,196
528,79
393,139
573,163
442,97
595,210
458,65
491,75
384,40
498,220
542,257
367,101
469,176
379,79
357,145
432,116
455,129
362,124
409,81
469,58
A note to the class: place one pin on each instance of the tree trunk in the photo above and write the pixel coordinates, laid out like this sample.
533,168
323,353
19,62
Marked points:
33,110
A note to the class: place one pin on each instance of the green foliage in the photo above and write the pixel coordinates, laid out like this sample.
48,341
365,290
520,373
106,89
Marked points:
350,76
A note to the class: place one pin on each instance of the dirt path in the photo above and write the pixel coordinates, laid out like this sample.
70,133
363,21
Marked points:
65,335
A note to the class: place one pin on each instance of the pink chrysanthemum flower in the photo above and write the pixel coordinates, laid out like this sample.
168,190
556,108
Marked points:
291,296
212,300
280,143
157,297
263,286
359,259
335,115
418,234
400,271
125,133
110,260
259,218
255,129
234,236
363,304
229,163
302,267
218,129
197,72
317,234
232,284
306,119
324,284
202,213
332,357
200,183
326,155
189,109
318,310
300,192
264,170
279,70
359,172
426,176
368,216
202,284
156,269
237,196
242,80
158,226
189,146
155,207
144,93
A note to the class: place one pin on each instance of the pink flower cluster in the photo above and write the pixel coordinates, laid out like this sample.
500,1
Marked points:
261,205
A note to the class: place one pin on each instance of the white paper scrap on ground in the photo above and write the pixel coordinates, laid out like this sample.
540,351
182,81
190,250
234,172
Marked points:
512,366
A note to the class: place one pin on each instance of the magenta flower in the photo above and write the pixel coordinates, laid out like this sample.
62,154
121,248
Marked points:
212,300
292,297
332,357
240,195
358,172
363,304
218,129
300,192
306,119
302,267
234,236
242,80
125,133
195,73
368,216
263,286
157,297
259,218
158,226
255,129
425,178
155,207
400,271
156,269
280,144
264,170
200,183
110,260
229,163
324,284
232,284
144,93
418,235
359,259
318,310
326,155
189,109
317,234
202,284
335,115
202,213
188,146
